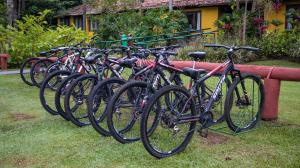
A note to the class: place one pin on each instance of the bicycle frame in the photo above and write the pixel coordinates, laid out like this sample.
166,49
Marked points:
229,68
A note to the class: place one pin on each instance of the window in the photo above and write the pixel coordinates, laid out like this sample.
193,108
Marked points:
93,24
79,22
65,21
292,16
194,20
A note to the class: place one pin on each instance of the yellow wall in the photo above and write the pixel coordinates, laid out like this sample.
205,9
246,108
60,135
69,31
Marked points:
72,21
87,23
208,17
280,15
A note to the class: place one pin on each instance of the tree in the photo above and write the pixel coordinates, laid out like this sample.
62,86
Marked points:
245,22
14,10
3,12
33,7
18,8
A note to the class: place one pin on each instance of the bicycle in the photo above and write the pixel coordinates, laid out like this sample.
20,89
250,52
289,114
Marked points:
75,100
121,121
177,122
54,80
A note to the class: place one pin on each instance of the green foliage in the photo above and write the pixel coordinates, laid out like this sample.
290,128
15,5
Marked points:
153,22
33,7
282,45
276,22
218,55
32,35
112,25
2,12
161,21
293,18
273,45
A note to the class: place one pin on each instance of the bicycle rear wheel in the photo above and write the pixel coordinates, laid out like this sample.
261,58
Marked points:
48,88
38,71
244,103
61,92
124,110
25,76
161,131
75,101
97,103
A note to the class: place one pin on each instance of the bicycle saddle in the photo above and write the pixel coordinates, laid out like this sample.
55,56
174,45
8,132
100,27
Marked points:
128,62
44,53
197,55
91,59
193,73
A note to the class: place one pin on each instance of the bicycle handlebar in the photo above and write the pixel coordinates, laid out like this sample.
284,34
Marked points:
232,47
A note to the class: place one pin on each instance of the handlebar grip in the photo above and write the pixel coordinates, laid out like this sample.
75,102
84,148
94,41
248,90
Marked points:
54,50
155,49
171,53
214,45
116,50
140,55
250,48
43,53
172,47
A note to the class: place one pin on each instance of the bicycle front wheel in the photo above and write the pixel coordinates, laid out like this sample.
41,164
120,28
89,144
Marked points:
167,129
244,103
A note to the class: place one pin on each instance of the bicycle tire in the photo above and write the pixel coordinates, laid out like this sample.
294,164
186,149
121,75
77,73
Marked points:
33,71
44,86
22,73
100,87
145,134
69,111
229,102
59,94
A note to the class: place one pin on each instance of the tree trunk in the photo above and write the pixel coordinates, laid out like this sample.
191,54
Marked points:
245,23
238,4
240,30
253,8
14,10
170,5
10,12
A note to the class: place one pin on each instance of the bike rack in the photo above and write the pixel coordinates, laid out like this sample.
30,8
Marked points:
223,129
272,77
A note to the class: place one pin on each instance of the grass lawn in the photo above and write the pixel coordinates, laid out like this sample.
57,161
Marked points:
30,137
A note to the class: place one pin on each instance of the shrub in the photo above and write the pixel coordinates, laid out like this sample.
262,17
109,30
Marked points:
280,45
152,22
32,35
218,55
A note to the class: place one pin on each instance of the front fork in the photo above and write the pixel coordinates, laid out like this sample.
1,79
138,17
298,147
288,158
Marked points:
237,74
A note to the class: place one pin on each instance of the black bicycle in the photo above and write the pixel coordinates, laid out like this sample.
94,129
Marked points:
126,105
55,79
76,97
177,122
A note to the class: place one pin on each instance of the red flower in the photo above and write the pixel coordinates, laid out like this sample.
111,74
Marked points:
258,21
277,6
227,26
262,28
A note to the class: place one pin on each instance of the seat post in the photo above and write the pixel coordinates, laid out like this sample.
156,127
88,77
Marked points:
194,63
